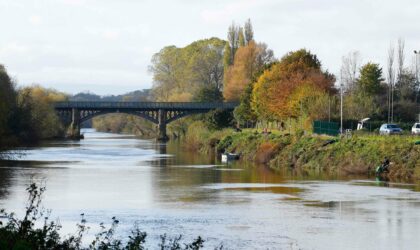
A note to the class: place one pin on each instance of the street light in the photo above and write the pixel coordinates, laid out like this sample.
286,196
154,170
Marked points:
417,53
341,102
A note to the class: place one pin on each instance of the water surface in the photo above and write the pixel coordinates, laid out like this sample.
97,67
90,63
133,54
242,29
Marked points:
165,189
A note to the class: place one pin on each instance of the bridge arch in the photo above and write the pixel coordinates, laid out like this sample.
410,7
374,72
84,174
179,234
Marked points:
160,113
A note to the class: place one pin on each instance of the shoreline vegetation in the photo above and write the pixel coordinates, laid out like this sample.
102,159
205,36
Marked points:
307,153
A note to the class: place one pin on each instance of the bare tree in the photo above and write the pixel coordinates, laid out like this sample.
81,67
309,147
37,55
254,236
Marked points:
391,82
249,32
349,69
401,59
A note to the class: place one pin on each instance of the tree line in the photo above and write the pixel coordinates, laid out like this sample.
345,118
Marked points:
26,113
294,87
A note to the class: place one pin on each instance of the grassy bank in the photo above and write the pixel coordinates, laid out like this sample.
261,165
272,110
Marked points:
306,154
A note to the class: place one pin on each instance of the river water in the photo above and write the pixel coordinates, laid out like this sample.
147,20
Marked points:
165,189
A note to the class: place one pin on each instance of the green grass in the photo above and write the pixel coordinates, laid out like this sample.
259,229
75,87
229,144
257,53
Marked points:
358,155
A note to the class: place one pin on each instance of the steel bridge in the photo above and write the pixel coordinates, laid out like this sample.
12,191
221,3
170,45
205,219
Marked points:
73,113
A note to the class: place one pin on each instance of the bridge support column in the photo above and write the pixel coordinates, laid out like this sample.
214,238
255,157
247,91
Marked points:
74,129
162,136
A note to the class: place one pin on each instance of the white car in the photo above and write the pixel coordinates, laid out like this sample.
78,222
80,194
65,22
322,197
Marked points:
389,129
415,130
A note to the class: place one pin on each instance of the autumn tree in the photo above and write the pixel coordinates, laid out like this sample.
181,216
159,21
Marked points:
290,87
39,120
237,37
249,60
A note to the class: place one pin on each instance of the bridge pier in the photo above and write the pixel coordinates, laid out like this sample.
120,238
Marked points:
74,129
161,133
72,114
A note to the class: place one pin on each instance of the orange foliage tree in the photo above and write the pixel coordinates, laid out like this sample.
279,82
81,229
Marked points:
290,86
249,60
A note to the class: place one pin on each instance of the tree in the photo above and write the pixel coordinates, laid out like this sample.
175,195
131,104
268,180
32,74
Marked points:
237,37
244,113
292,82
248,32
349,69
233,40
369,82
391,83
7,104
178,73
40,120
208,94
241,37
249,60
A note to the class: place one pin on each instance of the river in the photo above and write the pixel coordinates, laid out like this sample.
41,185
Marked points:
165,189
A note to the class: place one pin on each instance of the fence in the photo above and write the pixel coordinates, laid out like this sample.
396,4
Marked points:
324,127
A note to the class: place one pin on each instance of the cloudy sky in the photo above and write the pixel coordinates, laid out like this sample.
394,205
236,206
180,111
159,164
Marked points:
105,46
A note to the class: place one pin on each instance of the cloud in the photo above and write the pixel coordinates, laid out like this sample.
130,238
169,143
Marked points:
226,12
74,2
13,49
111,34
35,20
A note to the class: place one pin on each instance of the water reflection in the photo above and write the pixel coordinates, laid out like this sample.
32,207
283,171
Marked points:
170,190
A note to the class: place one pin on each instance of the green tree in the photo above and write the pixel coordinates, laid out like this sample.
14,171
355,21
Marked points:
227,56
208,94
241,37
7,103
178,73
244,112
370,79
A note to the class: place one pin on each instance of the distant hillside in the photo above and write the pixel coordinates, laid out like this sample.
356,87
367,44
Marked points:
135,96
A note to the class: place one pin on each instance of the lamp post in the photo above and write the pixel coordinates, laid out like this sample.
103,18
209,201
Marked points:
417,53
341,108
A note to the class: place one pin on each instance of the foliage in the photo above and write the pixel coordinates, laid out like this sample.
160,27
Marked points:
244,112
178,73
296,81
370,79
41,116
134,96
218,119
208,94
18,233
26,114
7,105
358,106
307,154
124,123
249,60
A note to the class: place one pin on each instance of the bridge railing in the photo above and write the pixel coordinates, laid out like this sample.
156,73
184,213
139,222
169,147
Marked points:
146,105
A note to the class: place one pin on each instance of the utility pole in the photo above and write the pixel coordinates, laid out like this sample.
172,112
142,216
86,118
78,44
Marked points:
329,109
417,53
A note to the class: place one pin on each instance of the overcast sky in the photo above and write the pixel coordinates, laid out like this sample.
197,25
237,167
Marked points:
105,46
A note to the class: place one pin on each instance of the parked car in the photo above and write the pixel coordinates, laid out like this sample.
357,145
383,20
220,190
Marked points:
389,129
415,130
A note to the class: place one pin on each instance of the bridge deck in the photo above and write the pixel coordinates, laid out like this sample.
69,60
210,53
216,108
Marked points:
146,105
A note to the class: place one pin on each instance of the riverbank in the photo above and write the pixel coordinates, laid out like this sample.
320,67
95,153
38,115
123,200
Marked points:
309,153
